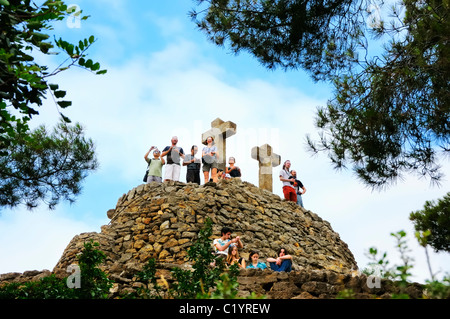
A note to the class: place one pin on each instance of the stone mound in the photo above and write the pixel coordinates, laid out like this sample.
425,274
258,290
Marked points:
162,220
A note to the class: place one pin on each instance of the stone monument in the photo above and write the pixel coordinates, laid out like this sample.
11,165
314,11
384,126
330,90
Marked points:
220,131
267,159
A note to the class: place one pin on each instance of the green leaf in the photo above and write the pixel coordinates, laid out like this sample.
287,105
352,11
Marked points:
95,67
45,46
69,49
71,9
65,118
34,25
40,36
60,94
89,64
91,39
102,72
64,104
4,2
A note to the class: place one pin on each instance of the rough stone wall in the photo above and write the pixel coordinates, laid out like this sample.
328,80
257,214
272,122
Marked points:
299,284
162,220
317,284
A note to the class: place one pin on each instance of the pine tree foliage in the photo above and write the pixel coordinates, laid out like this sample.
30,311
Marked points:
36,165
389,113
43,166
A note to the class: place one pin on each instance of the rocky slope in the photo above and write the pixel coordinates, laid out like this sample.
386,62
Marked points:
162,220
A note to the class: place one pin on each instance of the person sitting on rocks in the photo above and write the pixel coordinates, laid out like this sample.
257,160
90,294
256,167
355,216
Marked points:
222,244
233,257
223,175
233,170
282,263
220,174
254,263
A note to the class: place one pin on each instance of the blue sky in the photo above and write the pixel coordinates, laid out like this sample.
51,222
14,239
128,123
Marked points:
164,78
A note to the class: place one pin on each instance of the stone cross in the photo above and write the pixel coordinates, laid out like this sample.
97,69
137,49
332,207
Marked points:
220,131
267,159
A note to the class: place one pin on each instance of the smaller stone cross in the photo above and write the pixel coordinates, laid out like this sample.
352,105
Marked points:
267,159
220,131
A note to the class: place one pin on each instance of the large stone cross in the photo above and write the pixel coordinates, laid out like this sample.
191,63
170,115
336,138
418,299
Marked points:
220,131
267,159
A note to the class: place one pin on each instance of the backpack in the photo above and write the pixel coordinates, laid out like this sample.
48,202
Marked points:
146,172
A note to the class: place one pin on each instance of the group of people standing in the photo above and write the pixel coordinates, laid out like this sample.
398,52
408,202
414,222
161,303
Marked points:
208,163
293,189
229,248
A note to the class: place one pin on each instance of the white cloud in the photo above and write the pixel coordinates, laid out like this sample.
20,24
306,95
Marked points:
174,92
168,26
36,240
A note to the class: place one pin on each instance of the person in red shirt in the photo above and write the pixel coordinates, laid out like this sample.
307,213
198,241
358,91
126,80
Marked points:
288,182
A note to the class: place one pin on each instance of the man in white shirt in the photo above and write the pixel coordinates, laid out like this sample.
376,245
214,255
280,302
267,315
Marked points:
222,244
173,154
